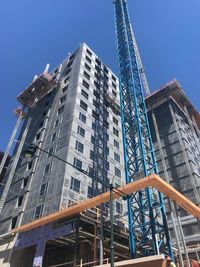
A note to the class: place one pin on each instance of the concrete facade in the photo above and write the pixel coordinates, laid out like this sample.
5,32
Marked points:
78,121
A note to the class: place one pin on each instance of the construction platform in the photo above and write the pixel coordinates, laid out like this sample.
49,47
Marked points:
41,86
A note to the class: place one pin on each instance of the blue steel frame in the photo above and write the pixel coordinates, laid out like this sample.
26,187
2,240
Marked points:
148,228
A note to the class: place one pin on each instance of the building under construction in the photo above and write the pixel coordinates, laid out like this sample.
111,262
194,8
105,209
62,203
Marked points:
69,122
78,136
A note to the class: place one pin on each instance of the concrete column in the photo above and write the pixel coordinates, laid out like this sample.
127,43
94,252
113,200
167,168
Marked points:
40,248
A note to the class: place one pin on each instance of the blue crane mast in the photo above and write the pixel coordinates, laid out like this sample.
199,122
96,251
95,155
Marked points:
148,228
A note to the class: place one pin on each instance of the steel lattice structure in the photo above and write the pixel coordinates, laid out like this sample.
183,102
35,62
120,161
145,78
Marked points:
149,233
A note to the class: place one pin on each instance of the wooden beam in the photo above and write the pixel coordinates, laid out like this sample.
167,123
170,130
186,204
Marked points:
149,181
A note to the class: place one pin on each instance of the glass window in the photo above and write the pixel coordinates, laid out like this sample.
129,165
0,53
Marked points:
79,146
87,67
53,137
90,192
43,188
113,77
29,165
51,151
92,155
82,117
89,52
114,85
47,169
92,139
107,165
86,75
20,199
39,211
63,98
60,110
115,131
85,84
116,143
118,207
25,182
56,123
14,222
117,172
75,185
83,105
81,131
88,59
117,157
115,121
84,94
114,93
78,163
65,89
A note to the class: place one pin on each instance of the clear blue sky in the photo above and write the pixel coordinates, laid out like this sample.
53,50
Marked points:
34,33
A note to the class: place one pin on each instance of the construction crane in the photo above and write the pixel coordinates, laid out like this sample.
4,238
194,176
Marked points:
148,230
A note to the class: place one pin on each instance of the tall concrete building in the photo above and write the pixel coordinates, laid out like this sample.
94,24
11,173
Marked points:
175,128
79,121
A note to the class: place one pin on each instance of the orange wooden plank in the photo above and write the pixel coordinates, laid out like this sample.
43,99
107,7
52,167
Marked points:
149,181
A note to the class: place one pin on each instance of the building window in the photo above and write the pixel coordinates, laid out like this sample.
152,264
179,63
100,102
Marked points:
89,52
79,146
118,207
51,151
82,117
66,80
43,188
114,93
78,163
117,157
84,83
19,202
75,185
107,150
92,139
63,98
37,137
116,143
84,94
53,137
47,169
117,172
25,182
67,72
113,77
29,165
90,192
14,222
88,59
39,211
83,105
87,67
114,85
65,89
94,126
115,131
86,75
97,61
56,123
60,110
92,155
107,165
81,131
115,121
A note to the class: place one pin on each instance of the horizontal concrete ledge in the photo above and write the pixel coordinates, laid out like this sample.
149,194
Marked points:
153,261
